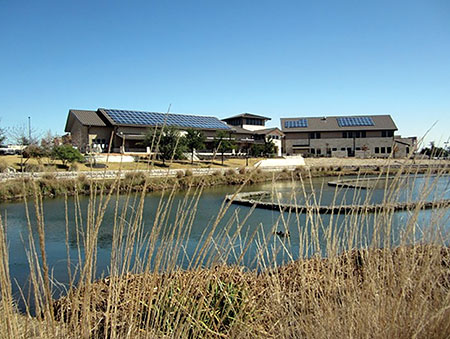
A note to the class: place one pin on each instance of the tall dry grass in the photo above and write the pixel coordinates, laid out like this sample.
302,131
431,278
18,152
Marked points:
362,279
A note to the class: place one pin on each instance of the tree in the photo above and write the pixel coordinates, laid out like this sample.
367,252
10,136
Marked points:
167,141
33,151
21,135
434,151
269,147
48,143
194,140
223,143
266,149
67,154
2,136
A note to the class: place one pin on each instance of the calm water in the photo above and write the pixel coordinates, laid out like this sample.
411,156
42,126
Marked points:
261,223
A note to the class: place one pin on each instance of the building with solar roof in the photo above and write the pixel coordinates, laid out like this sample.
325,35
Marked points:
122,131
345,136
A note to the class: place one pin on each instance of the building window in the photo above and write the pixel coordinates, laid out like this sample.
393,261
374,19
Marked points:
383,150
407,150
386,134
389,150
334,149
314,135
319,151
358,148
253,121
313,151
342,148
377,149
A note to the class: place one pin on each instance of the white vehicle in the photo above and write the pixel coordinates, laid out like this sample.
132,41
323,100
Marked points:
11,149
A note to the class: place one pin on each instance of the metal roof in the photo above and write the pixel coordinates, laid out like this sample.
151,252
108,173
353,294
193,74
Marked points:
247,115
339,123
267,131
85,117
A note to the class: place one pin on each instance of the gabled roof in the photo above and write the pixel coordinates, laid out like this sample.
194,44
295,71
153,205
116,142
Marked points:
85,117
247,115
338,123
240,130
268,130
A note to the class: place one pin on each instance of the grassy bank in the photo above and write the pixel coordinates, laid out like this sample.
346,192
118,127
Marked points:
49,165
356,283
51,186
376,293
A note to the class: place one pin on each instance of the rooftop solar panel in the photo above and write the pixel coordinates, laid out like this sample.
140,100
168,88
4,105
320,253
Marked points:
355,121
296,123
123,117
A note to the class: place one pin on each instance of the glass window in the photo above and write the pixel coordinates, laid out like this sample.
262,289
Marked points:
383,150
377,150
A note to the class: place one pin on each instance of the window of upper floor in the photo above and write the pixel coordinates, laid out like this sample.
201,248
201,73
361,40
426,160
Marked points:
254,121
314,135
354,134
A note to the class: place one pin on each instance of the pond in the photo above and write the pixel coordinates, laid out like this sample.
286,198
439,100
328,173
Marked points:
242,235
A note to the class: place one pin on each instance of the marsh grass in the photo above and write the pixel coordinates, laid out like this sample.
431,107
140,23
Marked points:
361,279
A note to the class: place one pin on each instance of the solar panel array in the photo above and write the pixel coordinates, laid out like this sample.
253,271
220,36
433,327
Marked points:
123,117
296,123
355,121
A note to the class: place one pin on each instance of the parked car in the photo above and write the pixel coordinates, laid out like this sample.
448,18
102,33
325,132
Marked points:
10,149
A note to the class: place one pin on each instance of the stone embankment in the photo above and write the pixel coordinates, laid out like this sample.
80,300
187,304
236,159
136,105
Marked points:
255,199
108,174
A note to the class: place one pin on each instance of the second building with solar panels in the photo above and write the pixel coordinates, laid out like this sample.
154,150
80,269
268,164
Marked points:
345,136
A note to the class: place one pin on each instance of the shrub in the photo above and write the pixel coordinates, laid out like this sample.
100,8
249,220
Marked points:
33,151
242,170
3,166
73,167
217,173
179,174
188,173
135,178
33,168
230,172
67,154
49,176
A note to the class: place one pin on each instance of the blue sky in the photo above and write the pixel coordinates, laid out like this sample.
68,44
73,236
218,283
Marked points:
274,58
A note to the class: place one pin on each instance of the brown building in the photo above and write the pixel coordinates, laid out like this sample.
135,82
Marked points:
250,129
342,136
122,131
